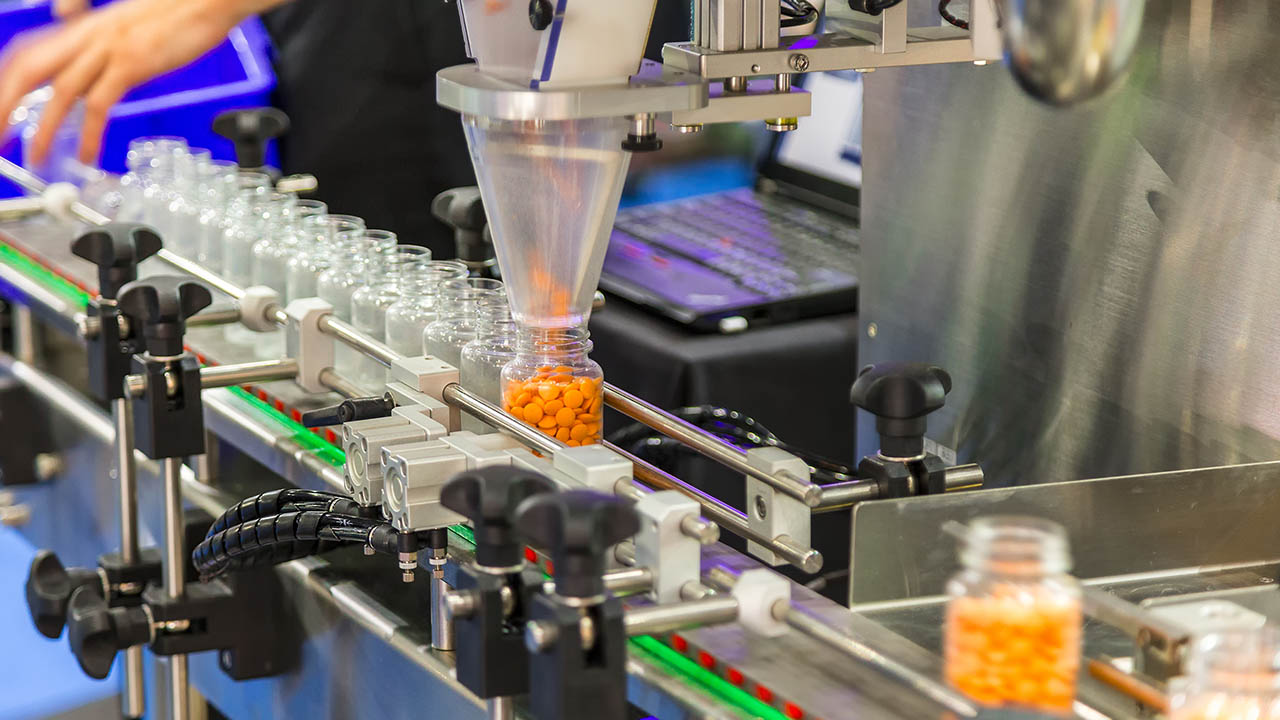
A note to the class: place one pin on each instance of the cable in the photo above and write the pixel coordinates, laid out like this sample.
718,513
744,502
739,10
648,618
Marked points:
288,536
952,19
797,12
277,501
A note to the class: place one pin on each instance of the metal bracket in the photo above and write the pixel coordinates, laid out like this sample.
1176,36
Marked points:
362,441
306,342
672,557
771,511
412,477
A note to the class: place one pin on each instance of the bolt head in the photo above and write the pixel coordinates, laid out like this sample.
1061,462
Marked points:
799,62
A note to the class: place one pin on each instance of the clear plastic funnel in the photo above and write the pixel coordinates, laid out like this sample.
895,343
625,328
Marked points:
551,192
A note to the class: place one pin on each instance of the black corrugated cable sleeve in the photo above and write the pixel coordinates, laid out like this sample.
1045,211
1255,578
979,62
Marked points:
307,532
278,501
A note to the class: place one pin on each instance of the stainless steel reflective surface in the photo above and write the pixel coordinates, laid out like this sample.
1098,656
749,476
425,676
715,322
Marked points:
1144,525
1100,281
1065,51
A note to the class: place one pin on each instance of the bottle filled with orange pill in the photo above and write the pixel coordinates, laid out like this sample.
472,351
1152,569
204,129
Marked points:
1233,675
552,385
1013,618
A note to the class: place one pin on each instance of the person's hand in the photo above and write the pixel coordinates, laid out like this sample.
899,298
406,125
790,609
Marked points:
102,54
63,9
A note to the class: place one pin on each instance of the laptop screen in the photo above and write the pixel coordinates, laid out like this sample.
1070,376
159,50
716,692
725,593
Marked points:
823,157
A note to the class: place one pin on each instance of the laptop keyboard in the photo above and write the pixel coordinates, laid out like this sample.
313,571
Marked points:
765,248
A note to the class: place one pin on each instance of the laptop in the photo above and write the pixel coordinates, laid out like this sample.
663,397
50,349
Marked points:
784,250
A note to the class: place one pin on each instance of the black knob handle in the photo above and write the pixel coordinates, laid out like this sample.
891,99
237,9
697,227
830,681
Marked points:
97,632
117,248
250,129
49,588
900,395
488,497
578,527
461,208
350,410
160,305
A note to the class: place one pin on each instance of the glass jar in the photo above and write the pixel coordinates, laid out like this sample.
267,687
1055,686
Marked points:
553,385
484,357
181,221
383,285
243,228
315,251
1012,635
456,324
144,158
276,243
1231,675
418,305
219,192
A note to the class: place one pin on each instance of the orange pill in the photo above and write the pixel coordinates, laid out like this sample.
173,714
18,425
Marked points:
532,413
547,421
578,432
548,391
587,388
551,407
544,369
561,379
563,370
588,441
589,418
592,428
516,412
573,443
548,430
523,398
595,404
563,434
573,398
564,417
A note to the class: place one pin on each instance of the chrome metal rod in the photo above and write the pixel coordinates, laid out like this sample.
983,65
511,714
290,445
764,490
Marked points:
174,579
463,399
201,273
247,373
822,632
221,316
657,619
133,698
335,382
842,495
441,619
24,334
726,517
502,708
1153,633
707,444
629,580
347,334
960,477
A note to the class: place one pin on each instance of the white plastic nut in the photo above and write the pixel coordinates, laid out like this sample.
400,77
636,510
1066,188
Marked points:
757,592
58,198
253,308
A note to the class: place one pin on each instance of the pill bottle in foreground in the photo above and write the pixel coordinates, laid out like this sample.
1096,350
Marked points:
1013,618
1233,675
552,384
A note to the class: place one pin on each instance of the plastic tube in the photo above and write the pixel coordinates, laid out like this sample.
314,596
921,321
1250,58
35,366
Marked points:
263,540
278,501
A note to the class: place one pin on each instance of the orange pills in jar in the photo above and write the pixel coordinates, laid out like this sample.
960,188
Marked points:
559,403
1017,647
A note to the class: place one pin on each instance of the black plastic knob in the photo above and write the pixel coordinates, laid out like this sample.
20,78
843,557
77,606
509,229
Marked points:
541,13
488,497
97,632
49,589
578,527
117,248
901,395
161,305
350,410
250,129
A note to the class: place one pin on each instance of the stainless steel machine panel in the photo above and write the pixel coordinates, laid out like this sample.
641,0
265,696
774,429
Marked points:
1101,281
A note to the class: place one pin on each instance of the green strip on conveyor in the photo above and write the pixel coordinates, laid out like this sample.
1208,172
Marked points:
674,663
646,647
34,269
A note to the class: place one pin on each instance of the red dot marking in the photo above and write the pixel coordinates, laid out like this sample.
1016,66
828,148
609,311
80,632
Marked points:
551,569
530,555
279,405
705,659
792,711
764,693
330,436
262,395
679,643
296,415
735,676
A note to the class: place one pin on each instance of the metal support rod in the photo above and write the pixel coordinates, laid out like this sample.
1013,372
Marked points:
707,444
463,399
175,579
628,581
335,382
347,334
223,316
657,619
441,619
501,708
1151,632
24,334
726,517
839,496
218,376
133,698
201,273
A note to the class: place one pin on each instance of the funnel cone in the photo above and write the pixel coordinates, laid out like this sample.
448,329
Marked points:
551,192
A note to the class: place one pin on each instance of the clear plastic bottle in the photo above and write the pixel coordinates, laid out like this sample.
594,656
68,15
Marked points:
418,305
315,251
384,276
1232,675
1012,636
483,358
456,325
553,385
